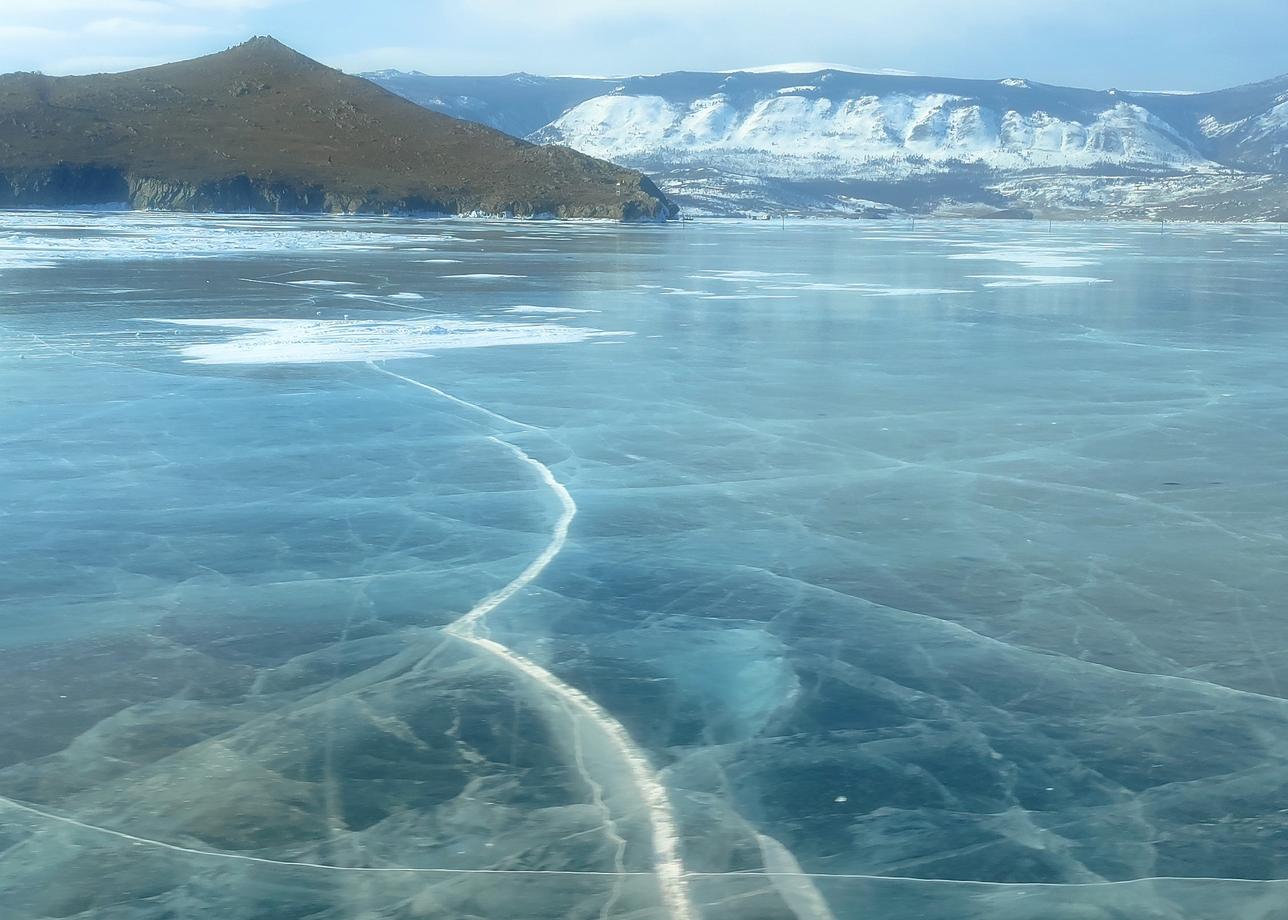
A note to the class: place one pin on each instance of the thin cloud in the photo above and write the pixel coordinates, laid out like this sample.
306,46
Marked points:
1098,43
30,34
47,10
136,28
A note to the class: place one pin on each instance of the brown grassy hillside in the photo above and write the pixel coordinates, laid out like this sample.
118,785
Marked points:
262,127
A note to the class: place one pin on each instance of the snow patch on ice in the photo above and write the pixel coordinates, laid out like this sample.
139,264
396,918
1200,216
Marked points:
527,308
749,296
716,275
139,236
483,276
756,282
1013,281
1029,257
869,289
322,341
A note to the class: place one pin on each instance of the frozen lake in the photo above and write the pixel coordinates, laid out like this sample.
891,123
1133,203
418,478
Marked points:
396,569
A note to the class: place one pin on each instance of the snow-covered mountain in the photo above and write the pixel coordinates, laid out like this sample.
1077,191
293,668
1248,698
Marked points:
799,131
836,140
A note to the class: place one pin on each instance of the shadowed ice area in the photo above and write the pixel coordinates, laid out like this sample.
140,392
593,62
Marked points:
452,569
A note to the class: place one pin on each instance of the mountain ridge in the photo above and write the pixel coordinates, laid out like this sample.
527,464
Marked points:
262,127
833,141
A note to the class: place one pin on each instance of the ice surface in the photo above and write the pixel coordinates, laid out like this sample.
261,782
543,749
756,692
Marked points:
959,604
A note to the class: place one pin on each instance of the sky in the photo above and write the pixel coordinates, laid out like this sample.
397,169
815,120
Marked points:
1172,45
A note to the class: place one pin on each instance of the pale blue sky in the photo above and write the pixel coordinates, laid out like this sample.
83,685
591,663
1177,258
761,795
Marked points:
1128,44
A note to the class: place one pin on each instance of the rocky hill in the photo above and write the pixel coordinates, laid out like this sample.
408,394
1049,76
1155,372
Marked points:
836,141
261,127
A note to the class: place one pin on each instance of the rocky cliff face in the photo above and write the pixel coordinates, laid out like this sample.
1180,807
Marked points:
67,186
262,128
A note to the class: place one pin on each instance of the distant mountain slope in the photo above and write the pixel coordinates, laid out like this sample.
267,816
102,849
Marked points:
518,104
843,141
1246,126
262,127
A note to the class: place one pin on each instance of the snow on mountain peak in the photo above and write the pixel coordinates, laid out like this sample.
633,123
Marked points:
820,136
805,67
798,130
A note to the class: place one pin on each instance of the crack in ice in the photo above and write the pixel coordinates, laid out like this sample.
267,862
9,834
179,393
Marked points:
455,399
667,862
749,873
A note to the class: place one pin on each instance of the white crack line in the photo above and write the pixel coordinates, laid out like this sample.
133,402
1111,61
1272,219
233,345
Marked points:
667,862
